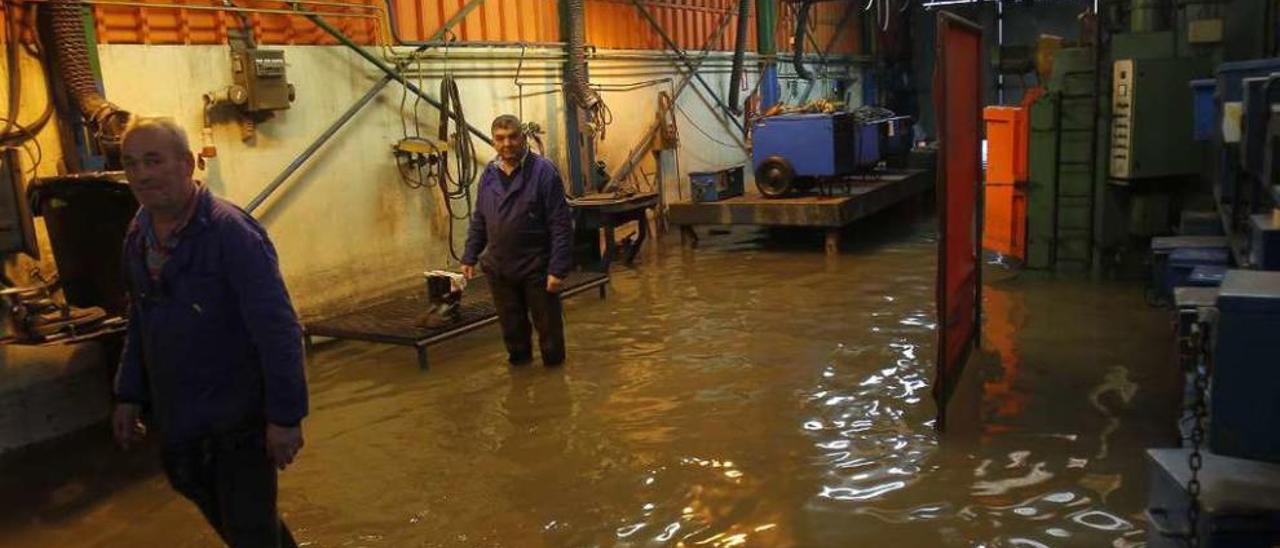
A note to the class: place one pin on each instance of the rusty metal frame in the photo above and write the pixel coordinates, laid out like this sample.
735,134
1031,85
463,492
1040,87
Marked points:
942,391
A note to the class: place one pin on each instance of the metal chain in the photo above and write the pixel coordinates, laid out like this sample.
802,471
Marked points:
1201,336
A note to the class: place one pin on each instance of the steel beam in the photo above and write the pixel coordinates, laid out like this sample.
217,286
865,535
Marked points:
646,142
683,58
385,68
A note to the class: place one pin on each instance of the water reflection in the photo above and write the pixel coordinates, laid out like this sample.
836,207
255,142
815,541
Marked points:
746,394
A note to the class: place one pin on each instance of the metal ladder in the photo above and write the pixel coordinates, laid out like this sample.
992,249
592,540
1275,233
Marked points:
1073,192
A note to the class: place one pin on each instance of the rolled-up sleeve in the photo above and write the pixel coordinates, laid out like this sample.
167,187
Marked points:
269,317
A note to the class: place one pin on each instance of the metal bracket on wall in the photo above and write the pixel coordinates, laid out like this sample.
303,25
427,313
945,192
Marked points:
390,74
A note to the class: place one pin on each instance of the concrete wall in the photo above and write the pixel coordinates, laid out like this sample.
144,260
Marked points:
345,226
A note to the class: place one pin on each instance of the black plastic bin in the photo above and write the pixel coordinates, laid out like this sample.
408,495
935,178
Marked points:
87,215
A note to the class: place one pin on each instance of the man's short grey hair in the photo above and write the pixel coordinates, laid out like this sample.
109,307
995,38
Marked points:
171,130
506,121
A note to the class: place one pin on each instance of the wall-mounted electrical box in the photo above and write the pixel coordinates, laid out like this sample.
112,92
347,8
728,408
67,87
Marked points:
1151,126
260,73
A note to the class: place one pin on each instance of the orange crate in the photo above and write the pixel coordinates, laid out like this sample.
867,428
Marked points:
1004,228
1006,144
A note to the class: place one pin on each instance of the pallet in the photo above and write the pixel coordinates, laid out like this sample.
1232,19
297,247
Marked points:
862,196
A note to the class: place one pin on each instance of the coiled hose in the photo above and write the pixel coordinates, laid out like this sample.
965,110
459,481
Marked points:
455,186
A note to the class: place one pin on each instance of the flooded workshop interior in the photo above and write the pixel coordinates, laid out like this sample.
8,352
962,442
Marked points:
988,273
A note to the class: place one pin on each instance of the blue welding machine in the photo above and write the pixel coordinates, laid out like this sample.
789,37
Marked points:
789,147
1244,407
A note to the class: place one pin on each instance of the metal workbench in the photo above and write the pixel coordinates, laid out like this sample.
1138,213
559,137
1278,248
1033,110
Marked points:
397,319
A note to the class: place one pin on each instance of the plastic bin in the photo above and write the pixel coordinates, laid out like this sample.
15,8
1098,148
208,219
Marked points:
87,216
1006,144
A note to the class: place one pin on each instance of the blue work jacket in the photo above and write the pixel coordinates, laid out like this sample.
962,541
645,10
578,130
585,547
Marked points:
525,230
214,344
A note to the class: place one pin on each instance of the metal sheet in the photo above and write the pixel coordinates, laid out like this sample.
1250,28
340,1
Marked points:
958,102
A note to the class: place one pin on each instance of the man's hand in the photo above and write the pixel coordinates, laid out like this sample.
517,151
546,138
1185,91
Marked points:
126,426
468,271
283,444
554,284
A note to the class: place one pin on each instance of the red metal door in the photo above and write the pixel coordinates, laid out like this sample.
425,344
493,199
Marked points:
957,99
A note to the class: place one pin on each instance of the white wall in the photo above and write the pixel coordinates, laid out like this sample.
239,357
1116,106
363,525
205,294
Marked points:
345,226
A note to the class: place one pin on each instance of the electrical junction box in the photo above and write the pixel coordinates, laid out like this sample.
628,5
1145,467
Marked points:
260,73
1151,126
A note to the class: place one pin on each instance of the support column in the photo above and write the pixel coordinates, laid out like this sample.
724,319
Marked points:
766,46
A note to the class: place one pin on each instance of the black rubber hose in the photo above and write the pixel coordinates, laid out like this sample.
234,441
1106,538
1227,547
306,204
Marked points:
70,45
797,59
739,55
12,65
16,133
579,87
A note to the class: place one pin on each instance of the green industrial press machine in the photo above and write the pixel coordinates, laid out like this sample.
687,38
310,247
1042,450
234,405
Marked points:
1111,157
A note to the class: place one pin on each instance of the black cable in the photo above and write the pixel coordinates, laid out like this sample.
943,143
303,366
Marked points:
694,123
38,156
11,64
15,133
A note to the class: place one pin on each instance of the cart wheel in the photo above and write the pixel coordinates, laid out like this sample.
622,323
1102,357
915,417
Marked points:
774,177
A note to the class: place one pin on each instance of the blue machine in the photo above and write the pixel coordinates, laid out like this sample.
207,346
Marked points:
1264,242
1207,276
791,149
1230,89
1174,257
1183,261
1238,503
1244,407
1254,120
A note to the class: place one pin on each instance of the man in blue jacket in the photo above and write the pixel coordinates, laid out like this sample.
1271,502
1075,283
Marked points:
522,225
214,349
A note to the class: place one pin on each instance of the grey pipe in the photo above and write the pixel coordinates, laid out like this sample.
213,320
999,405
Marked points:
579,86
386,69
315,145
739,56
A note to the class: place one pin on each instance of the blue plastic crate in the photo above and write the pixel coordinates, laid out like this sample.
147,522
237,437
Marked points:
713,186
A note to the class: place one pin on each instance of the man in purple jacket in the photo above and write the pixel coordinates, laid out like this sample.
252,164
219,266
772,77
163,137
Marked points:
522,225
214,349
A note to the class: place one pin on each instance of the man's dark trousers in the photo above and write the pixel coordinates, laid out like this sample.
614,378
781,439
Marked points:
516,301
233,482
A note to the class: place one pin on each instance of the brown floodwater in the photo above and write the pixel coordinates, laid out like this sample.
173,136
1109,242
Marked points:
750,392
